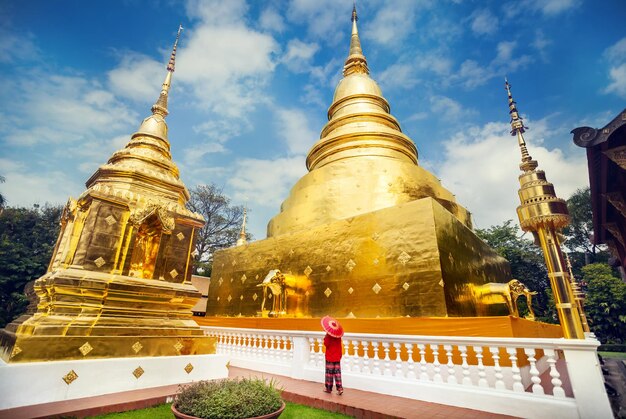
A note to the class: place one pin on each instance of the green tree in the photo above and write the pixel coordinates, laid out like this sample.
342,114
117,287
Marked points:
27,238
3,200
222,228
527,265
579,232
605,305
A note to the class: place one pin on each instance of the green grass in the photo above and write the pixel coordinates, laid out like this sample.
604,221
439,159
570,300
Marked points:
614,355
292,411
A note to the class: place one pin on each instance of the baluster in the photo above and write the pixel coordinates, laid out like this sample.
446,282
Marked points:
282,346
557,389
397,348
376,369
366,359
346,356
436,364
321,358
244,345
517,377
467,381
534,372
271,342
482,380
256,343
312,356
451,379
411,372
495,354
387,368
423,366
356,367
227,343
240,346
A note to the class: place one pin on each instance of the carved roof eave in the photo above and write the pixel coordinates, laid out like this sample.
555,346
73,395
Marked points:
588,137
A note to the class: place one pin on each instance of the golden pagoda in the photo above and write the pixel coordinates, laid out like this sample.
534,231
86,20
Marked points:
367,233
118,284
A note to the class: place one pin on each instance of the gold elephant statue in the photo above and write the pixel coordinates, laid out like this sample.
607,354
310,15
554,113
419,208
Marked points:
495,292
289,293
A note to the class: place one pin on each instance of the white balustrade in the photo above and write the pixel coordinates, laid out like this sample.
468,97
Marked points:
515,376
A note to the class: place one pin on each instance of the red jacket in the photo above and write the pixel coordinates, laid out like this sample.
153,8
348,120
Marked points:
333,348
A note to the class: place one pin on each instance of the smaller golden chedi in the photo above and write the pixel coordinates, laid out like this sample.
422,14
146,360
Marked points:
118,284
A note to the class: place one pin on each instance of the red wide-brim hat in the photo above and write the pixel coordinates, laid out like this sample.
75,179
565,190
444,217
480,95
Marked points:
332,327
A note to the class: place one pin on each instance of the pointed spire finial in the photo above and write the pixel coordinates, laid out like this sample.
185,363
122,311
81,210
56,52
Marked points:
518,129
160,107
356,62
242,235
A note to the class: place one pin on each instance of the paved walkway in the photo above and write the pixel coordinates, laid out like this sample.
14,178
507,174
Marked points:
356,403
362,404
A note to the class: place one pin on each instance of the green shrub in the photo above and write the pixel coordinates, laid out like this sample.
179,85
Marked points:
229,399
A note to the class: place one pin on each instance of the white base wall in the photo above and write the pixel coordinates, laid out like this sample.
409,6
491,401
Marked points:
25,384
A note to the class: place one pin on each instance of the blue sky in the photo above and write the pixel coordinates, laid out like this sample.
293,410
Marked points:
253,82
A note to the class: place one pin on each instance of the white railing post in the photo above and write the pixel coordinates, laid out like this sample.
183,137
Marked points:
587,381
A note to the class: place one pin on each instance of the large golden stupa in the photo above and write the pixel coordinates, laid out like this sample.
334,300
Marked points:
367,233
118,284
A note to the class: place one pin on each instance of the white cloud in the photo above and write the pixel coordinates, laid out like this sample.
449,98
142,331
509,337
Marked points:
217,12
298,56
271,20
266,183
137,77
293,126
483,22
63,109
392,23
398,75
23,188
481,167
541,44
618,81
16,47
324,18
616,56
554,7
447,108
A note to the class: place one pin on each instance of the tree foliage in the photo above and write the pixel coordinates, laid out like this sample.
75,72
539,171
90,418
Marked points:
223,224
605,305
527,265
579,232
27,239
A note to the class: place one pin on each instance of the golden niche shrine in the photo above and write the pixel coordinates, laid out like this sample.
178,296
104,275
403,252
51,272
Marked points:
367,233
118,284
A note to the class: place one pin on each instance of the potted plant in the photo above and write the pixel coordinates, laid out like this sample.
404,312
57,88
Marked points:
229,399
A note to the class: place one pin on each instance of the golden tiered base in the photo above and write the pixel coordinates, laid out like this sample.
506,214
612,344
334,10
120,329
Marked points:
85,315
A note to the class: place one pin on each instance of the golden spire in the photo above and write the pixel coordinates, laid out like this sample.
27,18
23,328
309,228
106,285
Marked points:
242,235
160,106
518,128
544,214
356,62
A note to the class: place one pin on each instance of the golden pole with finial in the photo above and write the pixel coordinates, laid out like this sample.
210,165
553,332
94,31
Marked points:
544,214
579,296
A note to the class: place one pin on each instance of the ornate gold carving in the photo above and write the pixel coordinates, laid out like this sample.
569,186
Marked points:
351,315
350,290
137,346
15,352
229,298
99,262
327,292
441,283
328,268
220,281
241,297
141,215
188,368
375,236
308,270
376,288
350,265
451,258
178,346
173,273
70,377
614,230
617,200
405,286
110,220
255,296
195,253
234,262
85,348
180,236
243,278
138,372
404,258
